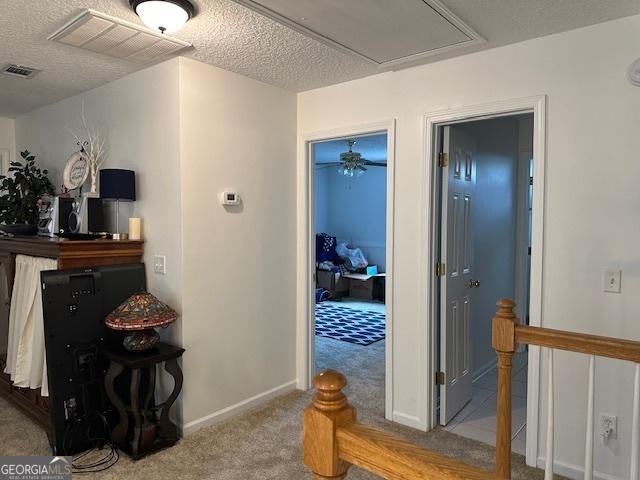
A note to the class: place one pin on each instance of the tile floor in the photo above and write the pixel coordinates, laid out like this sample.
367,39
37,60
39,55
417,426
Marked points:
477,420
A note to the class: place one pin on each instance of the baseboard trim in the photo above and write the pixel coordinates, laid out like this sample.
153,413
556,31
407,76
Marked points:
300,386
574,471
244,405
482,371
407,420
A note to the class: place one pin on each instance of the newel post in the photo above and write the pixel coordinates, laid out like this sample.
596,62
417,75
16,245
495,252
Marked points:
320,420
504,343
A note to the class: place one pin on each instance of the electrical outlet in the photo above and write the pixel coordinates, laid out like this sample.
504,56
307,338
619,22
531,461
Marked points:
612,278
608,426
160,264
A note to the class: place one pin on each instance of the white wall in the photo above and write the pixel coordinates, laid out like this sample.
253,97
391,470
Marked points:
591,205
321,199
354,210
239,262
139,115
494,226
7,141
8,136
190,130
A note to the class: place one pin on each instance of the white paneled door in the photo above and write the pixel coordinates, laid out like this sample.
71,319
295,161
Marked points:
458,282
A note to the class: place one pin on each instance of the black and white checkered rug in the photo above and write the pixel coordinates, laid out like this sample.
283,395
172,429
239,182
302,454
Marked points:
348,324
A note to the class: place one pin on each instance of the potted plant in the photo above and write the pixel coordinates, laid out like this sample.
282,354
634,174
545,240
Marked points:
20,195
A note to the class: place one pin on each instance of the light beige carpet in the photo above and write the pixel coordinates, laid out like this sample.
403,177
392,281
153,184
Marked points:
265,443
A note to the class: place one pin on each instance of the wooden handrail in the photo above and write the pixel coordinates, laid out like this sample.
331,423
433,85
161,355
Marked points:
390,457
579,342
507,333
333,440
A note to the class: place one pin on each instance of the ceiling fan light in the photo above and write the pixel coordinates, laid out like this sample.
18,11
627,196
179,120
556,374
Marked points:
346,171
163,15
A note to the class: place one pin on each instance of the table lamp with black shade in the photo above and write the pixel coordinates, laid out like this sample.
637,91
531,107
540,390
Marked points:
117,185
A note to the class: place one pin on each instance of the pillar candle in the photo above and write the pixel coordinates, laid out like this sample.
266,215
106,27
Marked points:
135,228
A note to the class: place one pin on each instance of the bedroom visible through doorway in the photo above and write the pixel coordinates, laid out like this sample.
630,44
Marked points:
349,205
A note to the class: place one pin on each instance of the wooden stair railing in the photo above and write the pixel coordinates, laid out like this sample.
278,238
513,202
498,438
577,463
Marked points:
508,334
333,440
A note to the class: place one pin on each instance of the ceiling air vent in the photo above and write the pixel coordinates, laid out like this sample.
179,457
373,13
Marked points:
19,71
104,34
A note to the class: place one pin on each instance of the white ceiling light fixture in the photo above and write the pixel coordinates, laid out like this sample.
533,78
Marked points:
163,15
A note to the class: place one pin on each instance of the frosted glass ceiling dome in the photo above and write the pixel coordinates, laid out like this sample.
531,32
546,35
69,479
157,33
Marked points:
163,15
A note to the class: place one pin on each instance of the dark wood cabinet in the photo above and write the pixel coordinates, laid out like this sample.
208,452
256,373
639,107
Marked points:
69,254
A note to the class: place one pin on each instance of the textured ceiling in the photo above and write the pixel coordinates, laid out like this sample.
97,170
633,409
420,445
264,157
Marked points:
371,147
235,38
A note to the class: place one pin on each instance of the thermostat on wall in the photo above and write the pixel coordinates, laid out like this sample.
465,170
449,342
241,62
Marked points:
230,198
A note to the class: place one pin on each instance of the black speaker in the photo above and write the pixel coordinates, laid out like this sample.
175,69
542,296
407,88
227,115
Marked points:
65,206
86,216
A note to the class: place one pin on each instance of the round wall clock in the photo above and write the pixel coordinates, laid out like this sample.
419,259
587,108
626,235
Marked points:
75,171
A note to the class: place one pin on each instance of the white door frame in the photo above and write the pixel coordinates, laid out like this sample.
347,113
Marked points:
306,247
536,105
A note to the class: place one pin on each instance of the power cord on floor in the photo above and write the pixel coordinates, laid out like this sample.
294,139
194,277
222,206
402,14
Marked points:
107,461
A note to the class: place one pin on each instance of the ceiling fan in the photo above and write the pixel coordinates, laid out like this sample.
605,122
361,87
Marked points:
351,163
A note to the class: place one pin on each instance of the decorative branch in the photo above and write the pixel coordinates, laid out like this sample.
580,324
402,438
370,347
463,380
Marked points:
92,150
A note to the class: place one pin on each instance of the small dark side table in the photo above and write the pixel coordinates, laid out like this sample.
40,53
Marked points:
138,443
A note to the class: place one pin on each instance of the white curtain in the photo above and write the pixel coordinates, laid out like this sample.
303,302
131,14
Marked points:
26,358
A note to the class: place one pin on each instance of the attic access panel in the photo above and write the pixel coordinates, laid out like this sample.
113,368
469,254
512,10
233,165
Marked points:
385,33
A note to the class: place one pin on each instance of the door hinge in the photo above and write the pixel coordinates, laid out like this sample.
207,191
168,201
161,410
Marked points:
440,270
443,159
530,180
439,378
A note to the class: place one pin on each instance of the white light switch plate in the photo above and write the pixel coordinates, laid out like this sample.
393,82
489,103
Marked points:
612,278
160,264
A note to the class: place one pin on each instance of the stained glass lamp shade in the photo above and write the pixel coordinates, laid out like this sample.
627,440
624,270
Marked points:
139,315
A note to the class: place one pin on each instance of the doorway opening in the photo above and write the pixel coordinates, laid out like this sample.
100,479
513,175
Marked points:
483,239
350,230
